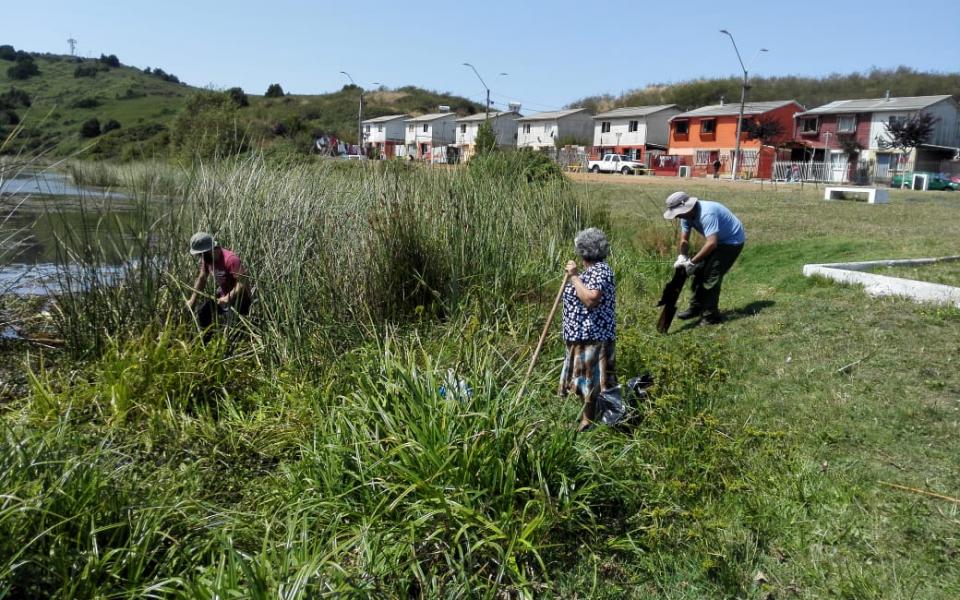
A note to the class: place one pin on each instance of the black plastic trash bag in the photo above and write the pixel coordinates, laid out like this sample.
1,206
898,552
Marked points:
610,407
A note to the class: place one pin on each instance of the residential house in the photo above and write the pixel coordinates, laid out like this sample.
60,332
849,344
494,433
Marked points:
384,134
504,126
845,132
635,131
546,130
428,136
708,134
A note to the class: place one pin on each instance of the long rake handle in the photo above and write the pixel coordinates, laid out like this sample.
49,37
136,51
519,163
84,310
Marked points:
543,336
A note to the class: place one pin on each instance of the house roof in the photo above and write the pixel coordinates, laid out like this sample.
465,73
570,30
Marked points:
385,118
483,116
633,111
733,109
876,105
551,115
431,117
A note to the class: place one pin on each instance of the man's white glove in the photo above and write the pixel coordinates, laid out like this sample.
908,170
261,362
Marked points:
681,260
690,266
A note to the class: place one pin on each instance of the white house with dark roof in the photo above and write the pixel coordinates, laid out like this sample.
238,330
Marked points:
426,135
504,124
543,130
384,133
633,130
837,127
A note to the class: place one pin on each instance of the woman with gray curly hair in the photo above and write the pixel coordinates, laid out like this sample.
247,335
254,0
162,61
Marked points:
589,324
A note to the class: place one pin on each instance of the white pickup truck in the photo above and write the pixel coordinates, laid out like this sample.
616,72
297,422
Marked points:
614,163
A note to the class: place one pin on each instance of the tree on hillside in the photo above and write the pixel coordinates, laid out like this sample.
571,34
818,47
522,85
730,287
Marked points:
8,52
486,141
208,127
24,68
238,96
90,128
274,91
907,134
110,61
111,125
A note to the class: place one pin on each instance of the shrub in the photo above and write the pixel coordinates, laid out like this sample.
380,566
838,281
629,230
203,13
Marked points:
14,98
274,91
521,165
25,68
110,61
238,96
7,52
85,103
208,127
9,117
90,128
84,70
111,125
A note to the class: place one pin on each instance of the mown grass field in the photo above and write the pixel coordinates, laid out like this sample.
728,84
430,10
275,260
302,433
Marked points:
863,390
314,456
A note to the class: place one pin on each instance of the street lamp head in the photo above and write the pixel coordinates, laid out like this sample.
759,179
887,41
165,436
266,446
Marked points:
764,50
503,74
466,64
725,31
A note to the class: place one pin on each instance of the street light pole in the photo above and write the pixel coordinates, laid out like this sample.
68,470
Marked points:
466,64
743,99
359,112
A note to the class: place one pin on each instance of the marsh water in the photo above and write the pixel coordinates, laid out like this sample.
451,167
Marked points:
47,222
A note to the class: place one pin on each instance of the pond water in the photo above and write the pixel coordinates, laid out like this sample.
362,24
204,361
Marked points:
46,221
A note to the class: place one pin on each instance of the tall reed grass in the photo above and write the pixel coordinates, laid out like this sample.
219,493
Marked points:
330,250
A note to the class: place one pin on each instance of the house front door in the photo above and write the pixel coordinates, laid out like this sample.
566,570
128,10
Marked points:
838,166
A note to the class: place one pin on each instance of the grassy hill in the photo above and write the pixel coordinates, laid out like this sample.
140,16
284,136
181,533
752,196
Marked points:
146,106
809,91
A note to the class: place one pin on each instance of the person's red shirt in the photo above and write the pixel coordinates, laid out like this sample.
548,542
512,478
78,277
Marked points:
226,270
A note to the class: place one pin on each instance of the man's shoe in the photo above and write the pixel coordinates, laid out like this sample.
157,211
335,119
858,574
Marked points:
688,314
713,319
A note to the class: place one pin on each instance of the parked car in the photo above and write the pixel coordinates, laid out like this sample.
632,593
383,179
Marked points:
615,163
353,156
935,181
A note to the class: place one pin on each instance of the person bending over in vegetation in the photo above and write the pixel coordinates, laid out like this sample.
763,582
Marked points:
724,238
589,324
232,289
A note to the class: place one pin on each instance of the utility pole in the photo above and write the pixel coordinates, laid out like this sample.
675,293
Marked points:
743,99
73,46
487,107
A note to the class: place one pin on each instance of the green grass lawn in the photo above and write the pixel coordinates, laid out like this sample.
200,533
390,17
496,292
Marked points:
835,528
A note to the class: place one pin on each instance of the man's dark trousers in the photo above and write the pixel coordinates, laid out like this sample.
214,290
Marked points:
708,279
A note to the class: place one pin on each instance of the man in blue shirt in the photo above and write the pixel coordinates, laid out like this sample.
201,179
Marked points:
723,240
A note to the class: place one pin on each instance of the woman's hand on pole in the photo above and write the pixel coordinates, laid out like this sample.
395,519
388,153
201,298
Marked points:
571,268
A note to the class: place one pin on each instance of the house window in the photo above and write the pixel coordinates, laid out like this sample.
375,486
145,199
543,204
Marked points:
708,126
809,125
748,158
526,127
681,127
426,128
846,124
605,127
893,120
366,128
634,126
463,128
410,128
703,157
379,128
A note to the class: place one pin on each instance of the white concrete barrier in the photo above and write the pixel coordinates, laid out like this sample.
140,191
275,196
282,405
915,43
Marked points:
884,285
871,195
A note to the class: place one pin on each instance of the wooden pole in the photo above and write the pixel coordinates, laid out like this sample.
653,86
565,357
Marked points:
543,336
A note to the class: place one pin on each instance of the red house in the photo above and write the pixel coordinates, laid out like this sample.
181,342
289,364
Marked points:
709,134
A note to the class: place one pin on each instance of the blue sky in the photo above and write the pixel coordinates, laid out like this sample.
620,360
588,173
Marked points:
553,52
